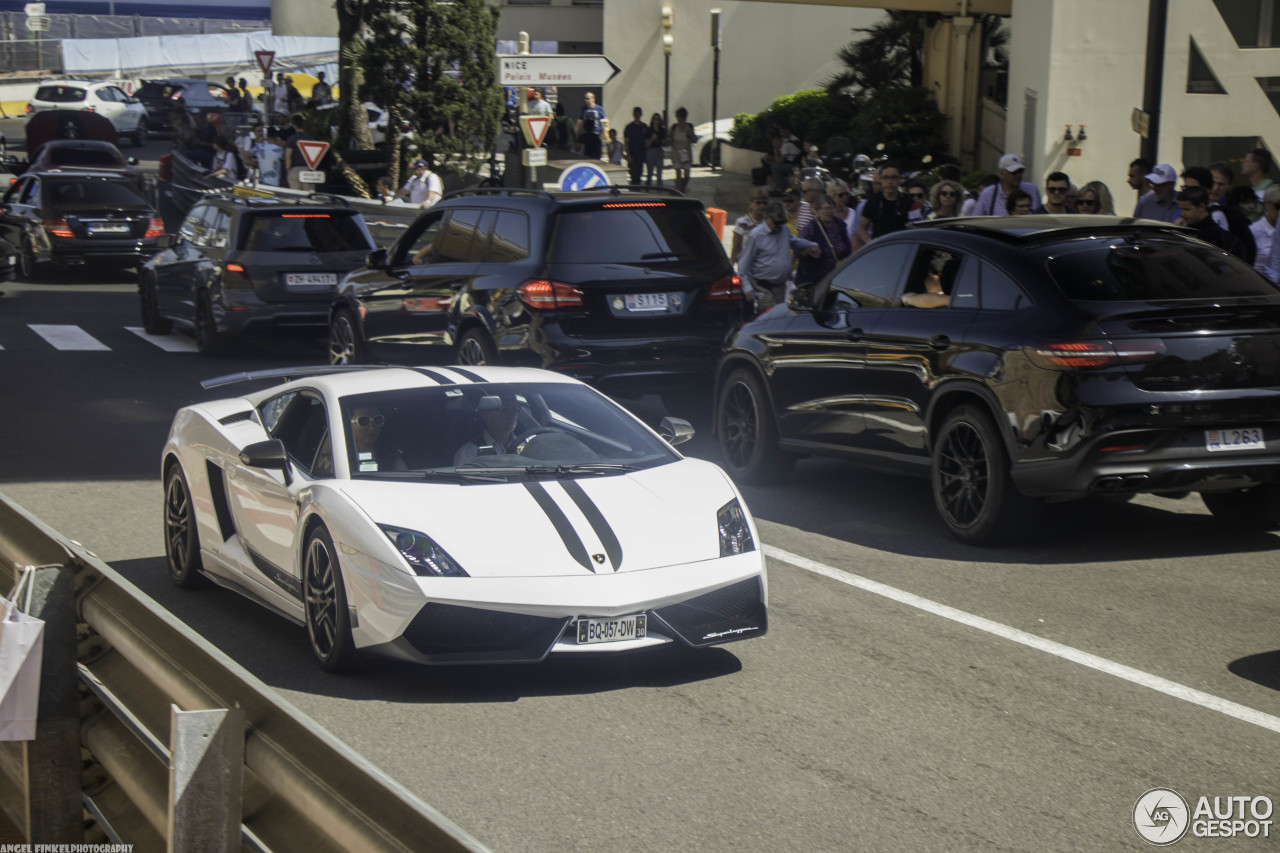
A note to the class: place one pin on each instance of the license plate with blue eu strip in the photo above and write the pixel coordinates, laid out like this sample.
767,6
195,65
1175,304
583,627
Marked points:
612,630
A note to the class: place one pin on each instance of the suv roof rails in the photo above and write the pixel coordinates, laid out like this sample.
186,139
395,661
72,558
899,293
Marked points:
496,191
228,193
613,189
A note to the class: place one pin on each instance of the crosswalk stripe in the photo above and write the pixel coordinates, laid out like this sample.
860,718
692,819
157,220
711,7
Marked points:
168,343
68,338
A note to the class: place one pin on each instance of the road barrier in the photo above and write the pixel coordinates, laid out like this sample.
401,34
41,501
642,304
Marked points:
166,743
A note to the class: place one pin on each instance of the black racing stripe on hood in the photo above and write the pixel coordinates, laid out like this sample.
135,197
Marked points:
467,374
561,523
434,376
596,519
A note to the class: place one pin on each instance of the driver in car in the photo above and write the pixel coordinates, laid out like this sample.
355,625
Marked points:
499,416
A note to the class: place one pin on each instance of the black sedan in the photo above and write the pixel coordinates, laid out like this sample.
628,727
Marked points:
73,218
1018,361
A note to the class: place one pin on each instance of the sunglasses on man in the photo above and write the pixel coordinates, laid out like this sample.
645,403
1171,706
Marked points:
366,420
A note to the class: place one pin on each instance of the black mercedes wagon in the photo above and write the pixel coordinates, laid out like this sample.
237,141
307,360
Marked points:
1061,357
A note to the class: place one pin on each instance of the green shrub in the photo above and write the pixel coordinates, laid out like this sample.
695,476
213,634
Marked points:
906,121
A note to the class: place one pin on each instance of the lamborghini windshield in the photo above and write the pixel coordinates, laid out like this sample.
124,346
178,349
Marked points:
490,432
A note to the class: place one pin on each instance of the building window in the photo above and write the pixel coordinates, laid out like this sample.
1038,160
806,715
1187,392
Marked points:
1253,23
1200,77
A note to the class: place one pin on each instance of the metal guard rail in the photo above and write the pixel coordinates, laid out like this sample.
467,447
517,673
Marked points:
168,743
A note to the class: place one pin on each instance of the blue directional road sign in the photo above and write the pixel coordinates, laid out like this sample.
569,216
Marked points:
583,176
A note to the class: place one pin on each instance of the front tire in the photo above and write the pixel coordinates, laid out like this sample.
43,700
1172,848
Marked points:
1257,508
140,135
328,622
747,431
29,268
345,344
475,348
209,340
181,538
152,322
972,488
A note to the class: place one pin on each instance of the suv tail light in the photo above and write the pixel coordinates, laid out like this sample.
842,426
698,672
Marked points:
58,228
1092,354
155,228
30,109
727,289
542,295
234,277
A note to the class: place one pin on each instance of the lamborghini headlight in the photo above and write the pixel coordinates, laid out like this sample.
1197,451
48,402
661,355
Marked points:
422,553
735,533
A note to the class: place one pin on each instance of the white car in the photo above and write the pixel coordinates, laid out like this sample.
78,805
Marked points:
126,114
397,511
703,150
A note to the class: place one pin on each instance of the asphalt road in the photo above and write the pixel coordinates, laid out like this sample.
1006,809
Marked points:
912,694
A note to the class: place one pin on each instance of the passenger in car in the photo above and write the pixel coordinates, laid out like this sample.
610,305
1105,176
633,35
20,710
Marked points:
498,415
366,430
935,293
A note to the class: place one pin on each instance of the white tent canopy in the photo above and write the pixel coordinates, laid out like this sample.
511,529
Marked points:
194,55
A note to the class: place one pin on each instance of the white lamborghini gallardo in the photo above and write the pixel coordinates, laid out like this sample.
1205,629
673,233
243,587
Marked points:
451,515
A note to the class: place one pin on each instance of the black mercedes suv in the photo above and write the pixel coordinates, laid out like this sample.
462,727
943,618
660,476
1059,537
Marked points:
243,265
1063,357
630,291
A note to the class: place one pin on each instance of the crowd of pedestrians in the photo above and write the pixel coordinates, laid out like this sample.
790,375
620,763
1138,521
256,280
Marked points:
795,235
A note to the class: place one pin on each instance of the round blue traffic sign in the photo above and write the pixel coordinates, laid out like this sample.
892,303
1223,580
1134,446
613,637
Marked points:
583,176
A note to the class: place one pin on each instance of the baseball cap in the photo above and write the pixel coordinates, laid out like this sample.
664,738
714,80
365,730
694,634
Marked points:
418,162
1012,163
1163,173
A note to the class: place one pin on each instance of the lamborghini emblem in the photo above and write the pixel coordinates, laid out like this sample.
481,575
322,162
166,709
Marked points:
599,558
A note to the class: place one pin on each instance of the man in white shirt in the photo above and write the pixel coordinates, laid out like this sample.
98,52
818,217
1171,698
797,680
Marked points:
538,105
269,156
1264,229
424,187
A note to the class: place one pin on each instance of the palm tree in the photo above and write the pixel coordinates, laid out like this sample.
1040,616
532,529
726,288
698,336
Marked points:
889,56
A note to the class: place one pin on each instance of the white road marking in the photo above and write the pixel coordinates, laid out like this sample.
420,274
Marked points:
168,343
1119,670
69,338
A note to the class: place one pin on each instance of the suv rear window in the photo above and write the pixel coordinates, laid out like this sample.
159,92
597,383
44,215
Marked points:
157,90
1154,269
83,157
633,235
60,94
306,231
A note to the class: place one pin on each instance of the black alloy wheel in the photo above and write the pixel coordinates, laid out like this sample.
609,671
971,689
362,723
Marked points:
1257,508
328,623
29,268
208,339
152,322
475,348
345,346
972,488
747,432
181,539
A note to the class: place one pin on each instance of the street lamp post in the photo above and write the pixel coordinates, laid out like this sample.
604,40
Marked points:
667,41
715,86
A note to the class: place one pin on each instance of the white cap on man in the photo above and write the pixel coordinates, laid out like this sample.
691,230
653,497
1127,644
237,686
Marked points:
1163,173
1012,163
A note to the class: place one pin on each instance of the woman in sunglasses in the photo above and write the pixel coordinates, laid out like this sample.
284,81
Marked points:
838,190
1094,197
946,198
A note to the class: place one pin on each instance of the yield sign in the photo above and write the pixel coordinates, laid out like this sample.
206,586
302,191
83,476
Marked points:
312,151
535,129
265,58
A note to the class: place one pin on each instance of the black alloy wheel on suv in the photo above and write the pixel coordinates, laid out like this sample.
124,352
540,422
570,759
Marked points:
1072,357
630,291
